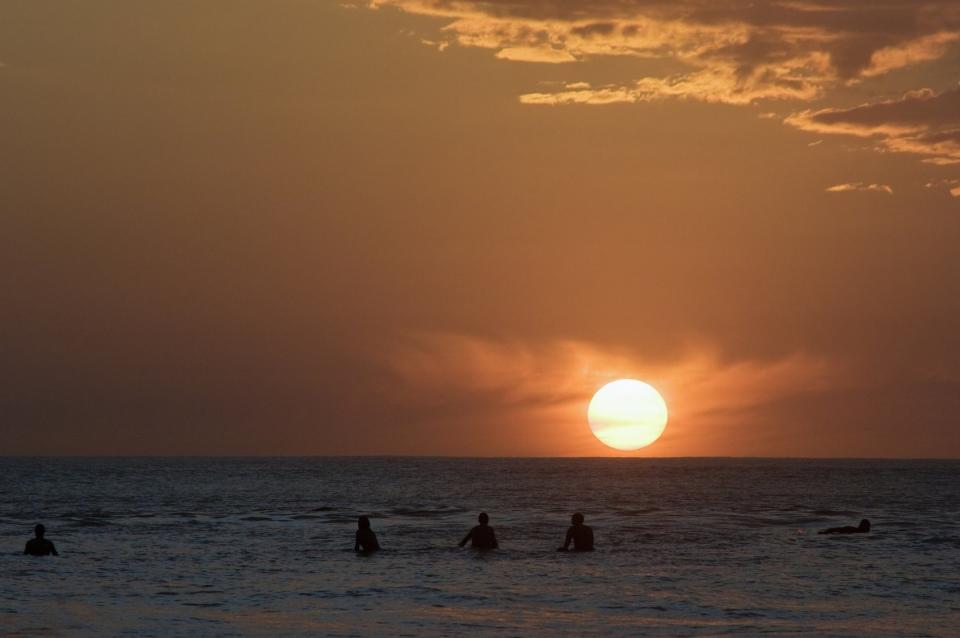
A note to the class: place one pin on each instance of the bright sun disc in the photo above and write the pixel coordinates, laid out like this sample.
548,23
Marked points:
627,414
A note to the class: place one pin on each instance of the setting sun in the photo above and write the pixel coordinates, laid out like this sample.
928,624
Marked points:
627,414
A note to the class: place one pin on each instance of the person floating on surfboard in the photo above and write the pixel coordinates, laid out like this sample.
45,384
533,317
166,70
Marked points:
862,528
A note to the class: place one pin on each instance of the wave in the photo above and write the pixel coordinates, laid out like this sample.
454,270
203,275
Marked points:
420,512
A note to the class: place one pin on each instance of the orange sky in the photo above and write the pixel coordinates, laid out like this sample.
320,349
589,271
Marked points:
431,227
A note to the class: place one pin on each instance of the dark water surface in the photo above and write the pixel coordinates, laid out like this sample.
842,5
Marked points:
219,547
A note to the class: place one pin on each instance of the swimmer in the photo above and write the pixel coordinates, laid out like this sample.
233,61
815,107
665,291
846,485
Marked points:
40,546
366,540
481,536
581,535
862,528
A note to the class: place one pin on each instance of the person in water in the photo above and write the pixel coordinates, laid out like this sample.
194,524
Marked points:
579,534
40,546
862,528
481,536
366,540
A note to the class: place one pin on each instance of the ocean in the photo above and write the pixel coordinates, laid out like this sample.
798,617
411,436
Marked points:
685,547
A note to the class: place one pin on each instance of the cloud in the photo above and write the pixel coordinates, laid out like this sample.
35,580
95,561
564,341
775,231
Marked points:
439,46
716,86
546,55
921,122
730,51
603,95
952,186
923,49
738,52
860,187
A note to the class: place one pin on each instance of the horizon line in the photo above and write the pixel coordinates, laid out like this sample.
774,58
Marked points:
464,457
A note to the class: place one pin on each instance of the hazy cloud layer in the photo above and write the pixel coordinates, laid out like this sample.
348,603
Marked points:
733,51
535,395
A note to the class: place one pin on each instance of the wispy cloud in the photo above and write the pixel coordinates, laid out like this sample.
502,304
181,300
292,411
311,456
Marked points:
544,54
733,52
441,46
860,187
898,56
719,85
952,186
474,383
922,122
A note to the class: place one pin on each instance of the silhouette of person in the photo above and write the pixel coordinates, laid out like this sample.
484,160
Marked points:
481,536
40,546
366,540
579,534
862,528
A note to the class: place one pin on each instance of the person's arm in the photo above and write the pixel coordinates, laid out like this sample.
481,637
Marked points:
493,536
356,541
53,550
466,538
26,548
569,539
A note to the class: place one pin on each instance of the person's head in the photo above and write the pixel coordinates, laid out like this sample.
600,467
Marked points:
483,518
363,522
577,519
39,531
864,525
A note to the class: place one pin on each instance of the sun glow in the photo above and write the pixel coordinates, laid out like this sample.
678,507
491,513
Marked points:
627,414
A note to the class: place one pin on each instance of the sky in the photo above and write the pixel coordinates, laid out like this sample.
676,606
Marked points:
437,227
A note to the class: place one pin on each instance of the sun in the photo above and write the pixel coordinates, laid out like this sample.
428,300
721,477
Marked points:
627,414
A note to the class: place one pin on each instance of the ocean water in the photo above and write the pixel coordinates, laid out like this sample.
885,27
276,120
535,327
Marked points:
686,547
